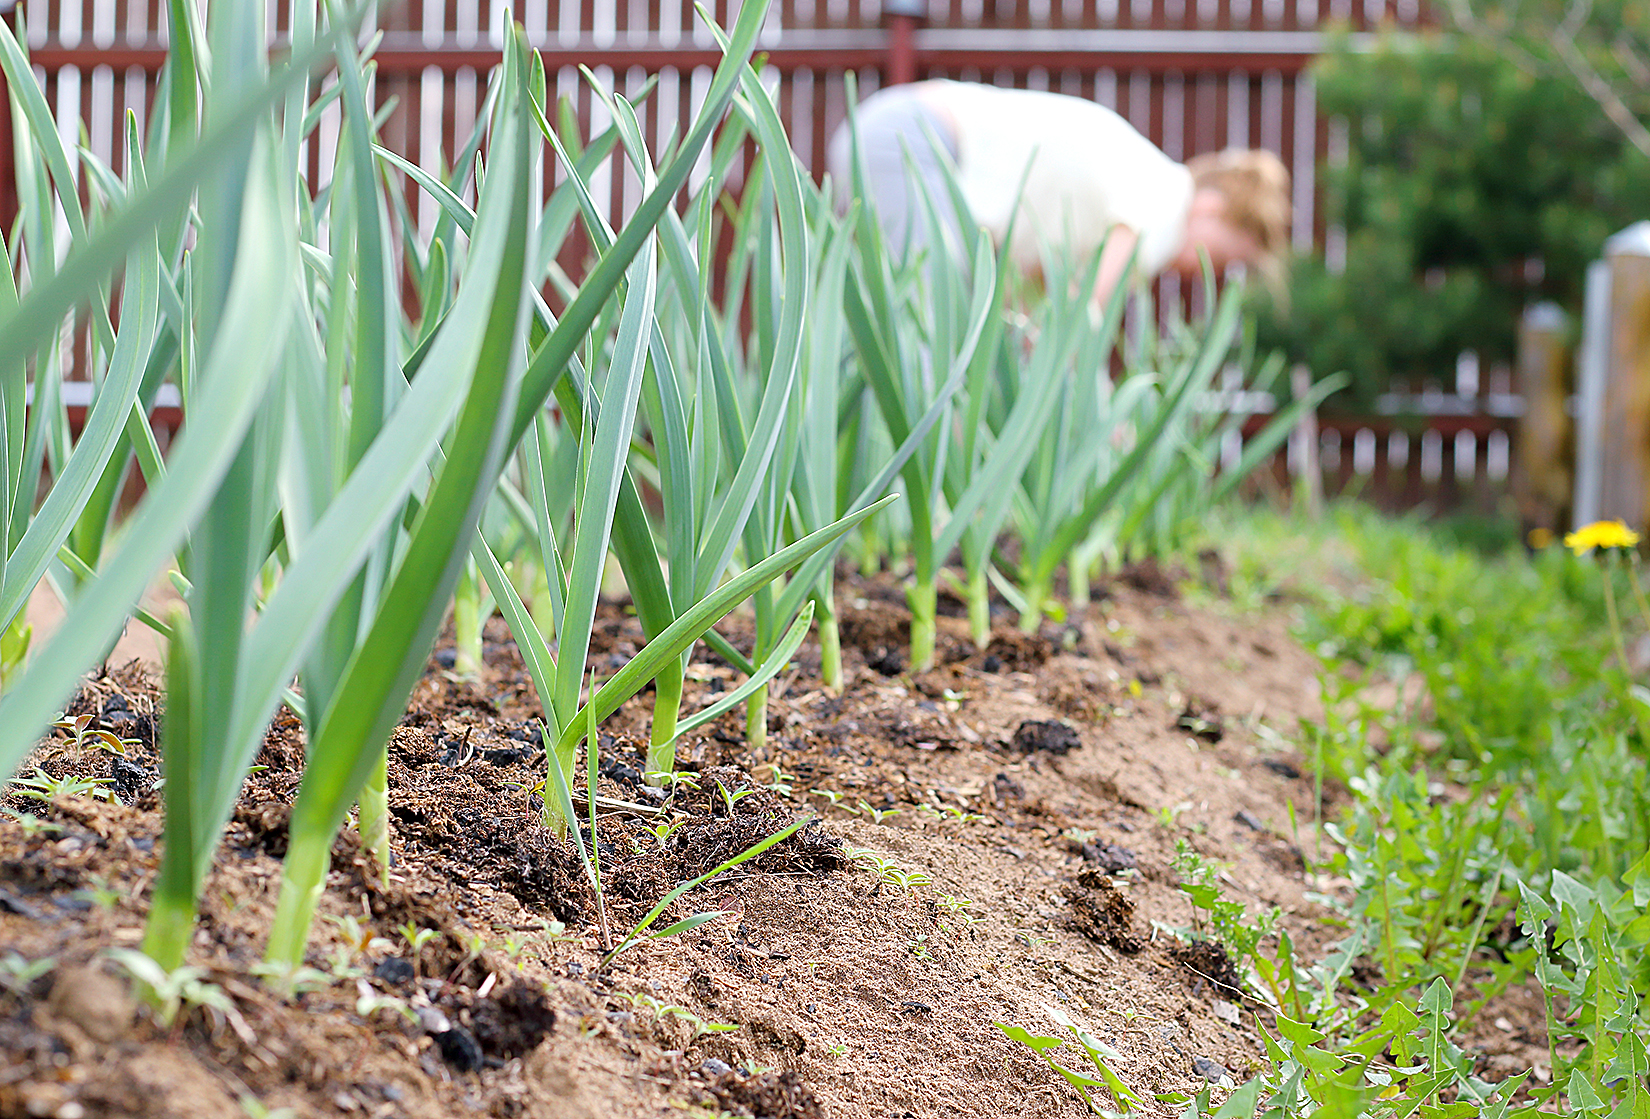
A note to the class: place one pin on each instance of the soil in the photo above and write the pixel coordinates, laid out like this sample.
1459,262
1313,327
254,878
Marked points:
994,837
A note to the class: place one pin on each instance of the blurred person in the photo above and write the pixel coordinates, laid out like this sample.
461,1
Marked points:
1080,173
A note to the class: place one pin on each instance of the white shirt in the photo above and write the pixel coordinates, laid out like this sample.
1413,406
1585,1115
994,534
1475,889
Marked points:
1090,170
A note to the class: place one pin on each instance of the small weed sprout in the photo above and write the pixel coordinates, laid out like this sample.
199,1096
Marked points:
780,782
1100,1055
32,825
957,907
672,780
81,732
662,1010
948,812
254,1108
731,799
908,881
369,1002
1229,921
919,949
17,972
288,981
360,941
170,992
878,814
99,893
831,795
1170,817
44,787
416,937
662,832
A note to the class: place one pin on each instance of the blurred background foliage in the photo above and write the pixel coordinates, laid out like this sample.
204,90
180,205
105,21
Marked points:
1477,179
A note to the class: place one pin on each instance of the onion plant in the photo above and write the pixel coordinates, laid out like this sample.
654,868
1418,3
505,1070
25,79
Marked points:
226,305
124,370
759,396
918,327
1154,461
700,534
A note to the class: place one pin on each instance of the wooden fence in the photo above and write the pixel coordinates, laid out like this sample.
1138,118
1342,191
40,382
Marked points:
1193,75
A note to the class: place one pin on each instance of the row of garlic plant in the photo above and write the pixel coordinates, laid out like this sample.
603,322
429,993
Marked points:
341,453
322,499
1050,450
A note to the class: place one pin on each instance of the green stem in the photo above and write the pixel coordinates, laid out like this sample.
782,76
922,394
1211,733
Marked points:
171,923
467,622
374,820
870,555
830,643
553,818
667,706
923,598
539,604
979,607
1031,618
304,875
1078,568
756,718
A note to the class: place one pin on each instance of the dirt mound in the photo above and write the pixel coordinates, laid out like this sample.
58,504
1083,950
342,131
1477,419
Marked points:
957,874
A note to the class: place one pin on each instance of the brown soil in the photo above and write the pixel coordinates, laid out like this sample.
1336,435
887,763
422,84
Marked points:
1058,772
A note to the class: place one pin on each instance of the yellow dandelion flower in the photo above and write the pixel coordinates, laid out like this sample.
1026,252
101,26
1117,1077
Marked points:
1539,538
1601,534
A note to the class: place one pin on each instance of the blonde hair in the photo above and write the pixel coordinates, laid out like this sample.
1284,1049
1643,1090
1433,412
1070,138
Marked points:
1255,184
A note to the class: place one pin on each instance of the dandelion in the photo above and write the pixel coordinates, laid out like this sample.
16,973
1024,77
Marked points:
1601,534
1539,538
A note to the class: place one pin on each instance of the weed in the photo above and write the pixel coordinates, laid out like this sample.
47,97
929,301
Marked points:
99,893
44,787
171,992
877,814
17,972
416,937
81,732
662,1010
1228,920
32,825
1100,1055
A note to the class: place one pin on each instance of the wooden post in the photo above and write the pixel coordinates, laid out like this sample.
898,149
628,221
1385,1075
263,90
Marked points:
1624,488
901,18
1541,462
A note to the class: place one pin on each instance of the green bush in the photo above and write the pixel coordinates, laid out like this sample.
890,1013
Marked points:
1472,187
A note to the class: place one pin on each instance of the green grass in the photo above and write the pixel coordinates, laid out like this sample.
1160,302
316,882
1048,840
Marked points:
1495,834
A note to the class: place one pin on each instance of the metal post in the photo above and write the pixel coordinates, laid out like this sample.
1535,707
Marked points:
1592,370
902,17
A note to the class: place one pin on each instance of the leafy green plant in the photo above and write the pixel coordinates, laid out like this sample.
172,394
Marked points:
644,928
44,787
173,991
662,1010
1229,921
17,972
1100,1056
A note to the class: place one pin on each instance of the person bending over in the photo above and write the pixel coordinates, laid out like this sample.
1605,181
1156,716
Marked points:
1090,174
